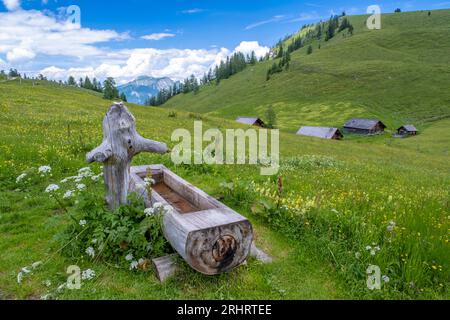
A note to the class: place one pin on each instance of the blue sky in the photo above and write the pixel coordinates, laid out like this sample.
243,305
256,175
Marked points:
126,39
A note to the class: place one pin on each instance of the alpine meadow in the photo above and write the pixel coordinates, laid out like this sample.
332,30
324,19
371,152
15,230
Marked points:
335,208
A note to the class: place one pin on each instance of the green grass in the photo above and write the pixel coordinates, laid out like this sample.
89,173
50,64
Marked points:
399,74
314,248
338,198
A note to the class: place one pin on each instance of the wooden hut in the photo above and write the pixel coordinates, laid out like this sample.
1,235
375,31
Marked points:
407,130
251,121
365,126
321,132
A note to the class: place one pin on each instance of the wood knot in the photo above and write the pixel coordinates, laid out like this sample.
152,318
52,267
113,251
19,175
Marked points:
224,249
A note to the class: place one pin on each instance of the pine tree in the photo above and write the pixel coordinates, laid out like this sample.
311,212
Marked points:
110,91
88,84
310,50
271,118
123,97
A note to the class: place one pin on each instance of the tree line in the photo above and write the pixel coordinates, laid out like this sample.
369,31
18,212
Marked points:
322,30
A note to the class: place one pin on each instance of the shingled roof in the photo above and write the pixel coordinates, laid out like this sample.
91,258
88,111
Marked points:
365,124
319,132
250,121
409,128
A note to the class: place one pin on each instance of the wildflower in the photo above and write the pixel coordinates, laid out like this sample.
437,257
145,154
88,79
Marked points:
47,283
149,181
85,172
52,188
46,297
373,252
94,241
36,264
385,278
134,264
81,186
88,274
368,248
83,223
391,226
129,257
21,177
68,194
149,211
357,255
44,170
90,252
158,205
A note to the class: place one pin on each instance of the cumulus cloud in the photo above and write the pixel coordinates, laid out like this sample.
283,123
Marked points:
158,36
73,50
20,54
246,47
12,4
24,34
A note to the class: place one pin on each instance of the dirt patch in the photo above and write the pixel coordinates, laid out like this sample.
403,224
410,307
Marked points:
174,199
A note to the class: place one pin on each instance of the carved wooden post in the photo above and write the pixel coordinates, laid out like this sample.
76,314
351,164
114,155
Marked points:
121,143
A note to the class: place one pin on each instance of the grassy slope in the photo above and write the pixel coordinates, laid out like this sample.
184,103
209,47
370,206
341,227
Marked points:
34,122
400,74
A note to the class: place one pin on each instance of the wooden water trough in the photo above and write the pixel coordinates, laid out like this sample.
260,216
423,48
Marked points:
208,235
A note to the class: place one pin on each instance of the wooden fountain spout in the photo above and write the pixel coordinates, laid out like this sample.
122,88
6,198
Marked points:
121,143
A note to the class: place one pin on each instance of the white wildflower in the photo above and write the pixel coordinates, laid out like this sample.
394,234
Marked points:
68,194
47,283
94,241
149,211
158,205
149,181
95,178
88,274
44,170
357,255
85,172
368,248
134,264
373,252
386,279
21,177
90,252
377,248
391,226
129,257
81,186
83,223
52,188
36,264
46,297
141,261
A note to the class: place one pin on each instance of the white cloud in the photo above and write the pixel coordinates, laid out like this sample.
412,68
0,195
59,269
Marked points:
25,32
192,11
158,36
306,17
12,4
246,47
261,23
20,54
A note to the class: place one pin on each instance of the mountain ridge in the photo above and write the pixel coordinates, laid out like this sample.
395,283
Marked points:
144,87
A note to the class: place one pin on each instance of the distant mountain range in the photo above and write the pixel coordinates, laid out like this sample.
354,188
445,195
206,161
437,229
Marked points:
140,90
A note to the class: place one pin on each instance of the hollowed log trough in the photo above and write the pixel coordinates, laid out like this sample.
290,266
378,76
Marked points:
210,237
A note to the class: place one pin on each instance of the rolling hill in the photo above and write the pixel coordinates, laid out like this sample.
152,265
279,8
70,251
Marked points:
400,74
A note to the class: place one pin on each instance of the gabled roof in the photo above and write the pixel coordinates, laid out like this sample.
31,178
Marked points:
250,121
319,132
365,124
409,128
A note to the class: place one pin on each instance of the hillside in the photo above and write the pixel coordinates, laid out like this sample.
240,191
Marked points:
339,199
400,74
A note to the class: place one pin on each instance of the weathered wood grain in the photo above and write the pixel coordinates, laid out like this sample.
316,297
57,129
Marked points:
121,143
165,267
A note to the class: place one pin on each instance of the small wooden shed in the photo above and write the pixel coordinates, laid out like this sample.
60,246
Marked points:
251,121
321,132
407,130
365,126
